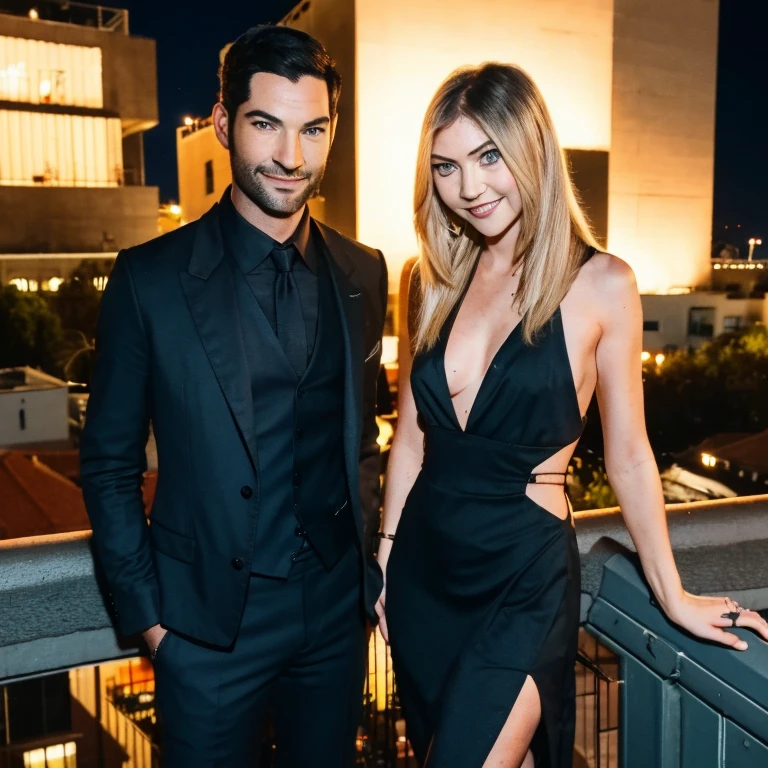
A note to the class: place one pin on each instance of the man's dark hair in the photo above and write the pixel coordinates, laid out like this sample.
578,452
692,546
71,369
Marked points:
278,51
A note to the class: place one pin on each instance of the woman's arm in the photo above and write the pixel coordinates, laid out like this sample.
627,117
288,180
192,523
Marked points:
407,452
630,464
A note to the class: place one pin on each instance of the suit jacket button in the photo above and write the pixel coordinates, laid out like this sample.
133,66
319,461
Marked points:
237,563
246,491
301,392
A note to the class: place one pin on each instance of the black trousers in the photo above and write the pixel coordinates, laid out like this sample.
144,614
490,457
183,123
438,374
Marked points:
300,653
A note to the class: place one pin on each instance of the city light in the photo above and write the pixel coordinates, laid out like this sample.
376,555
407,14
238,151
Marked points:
659,358
174,210
645,356
33,14
707,460
753,241
188,121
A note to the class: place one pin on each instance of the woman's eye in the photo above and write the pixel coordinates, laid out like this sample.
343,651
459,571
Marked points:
443,169
490,157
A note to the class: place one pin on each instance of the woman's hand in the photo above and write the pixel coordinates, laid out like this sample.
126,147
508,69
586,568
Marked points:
710,617
380,612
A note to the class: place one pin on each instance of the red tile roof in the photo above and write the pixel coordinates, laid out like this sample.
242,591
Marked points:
36,500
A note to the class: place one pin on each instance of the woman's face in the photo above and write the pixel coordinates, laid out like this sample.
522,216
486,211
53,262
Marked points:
473,180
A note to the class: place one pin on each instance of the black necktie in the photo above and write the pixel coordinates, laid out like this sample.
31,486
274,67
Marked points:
288,316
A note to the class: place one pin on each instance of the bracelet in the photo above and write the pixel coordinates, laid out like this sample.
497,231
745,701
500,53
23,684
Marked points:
389,536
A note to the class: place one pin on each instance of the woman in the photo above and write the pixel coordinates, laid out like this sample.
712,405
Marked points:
521,320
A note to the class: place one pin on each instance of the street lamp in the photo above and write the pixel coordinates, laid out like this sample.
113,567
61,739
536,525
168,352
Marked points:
753,241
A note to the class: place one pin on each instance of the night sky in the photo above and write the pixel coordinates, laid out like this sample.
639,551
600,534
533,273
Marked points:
189,36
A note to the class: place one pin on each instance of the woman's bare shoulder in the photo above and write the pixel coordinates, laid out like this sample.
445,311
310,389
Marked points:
607,277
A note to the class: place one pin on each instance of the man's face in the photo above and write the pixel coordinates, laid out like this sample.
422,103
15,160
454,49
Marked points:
278,141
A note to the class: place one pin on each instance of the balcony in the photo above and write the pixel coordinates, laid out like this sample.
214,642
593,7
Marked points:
82,14
649,696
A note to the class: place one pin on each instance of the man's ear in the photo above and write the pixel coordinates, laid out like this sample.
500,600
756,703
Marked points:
220,120
334,123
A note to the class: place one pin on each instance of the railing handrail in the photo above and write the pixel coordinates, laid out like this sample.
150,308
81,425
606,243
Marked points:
50,593
107,18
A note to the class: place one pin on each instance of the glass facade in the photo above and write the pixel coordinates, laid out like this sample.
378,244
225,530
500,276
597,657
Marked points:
40,148
38,72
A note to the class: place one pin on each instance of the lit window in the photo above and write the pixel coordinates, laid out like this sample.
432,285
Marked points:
55,756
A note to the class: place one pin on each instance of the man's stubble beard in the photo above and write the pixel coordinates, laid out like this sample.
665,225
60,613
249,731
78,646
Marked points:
249,180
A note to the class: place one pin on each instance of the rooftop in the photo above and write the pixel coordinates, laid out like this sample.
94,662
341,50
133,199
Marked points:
39,496
64,12
27,379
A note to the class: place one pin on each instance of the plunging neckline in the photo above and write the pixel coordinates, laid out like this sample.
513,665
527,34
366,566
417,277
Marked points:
447,332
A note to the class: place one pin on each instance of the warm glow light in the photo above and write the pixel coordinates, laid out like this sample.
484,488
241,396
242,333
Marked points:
707,460
386,432
175,209
188,121
45,90
645,356
50,756
33,14
53,284
717,266
389,350
659,358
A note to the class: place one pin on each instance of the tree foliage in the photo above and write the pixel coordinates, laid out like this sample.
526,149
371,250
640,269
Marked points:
719,387
30,331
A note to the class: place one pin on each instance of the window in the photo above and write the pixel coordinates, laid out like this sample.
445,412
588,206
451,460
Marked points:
650,325
701,322
209,177
40,148
731,323
37,72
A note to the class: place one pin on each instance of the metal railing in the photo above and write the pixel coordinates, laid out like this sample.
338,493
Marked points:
647,695
101,17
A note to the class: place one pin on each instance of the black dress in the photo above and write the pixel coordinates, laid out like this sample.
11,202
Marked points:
483,583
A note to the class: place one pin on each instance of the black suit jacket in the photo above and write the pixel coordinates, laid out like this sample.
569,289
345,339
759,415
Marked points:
170,352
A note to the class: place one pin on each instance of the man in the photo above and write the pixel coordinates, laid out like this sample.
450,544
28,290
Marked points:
251,340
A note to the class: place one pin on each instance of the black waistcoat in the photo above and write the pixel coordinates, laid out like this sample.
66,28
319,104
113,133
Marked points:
298,423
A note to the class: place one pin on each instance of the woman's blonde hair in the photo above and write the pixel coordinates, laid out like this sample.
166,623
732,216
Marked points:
554,234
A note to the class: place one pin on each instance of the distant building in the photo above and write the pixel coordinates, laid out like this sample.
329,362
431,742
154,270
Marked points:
691,319
33,408
77,93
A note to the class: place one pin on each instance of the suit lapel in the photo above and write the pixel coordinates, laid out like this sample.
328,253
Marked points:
210,292
349,298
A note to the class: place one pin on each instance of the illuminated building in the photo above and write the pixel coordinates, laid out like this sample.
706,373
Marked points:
77,93
630,85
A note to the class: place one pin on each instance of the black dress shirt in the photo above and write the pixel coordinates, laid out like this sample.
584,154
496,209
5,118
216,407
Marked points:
251,247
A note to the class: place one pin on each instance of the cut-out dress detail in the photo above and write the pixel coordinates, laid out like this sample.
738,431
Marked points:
482,582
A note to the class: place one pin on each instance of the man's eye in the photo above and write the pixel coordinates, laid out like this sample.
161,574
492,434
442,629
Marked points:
315,131
262,125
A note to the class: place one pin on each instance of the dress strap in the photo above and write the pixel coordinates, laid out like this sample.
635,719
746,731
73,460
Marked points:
546,478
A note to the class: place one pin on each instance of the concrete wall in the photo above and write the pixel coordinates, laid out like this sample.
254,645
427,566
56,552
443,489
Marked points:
129,65
662,139
45,412
332,22
65,220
